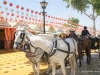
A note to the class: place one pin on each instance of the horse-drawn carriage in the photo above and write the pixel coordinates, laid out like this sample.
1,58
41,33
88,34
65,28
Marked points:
95,44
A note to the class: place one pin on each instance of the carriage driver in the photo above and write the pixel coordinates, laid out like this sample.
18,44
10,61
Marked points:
85,32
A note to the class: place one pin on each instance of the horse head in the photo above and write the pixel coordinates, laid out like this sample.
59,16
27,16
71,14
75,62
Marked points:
73,35
19,37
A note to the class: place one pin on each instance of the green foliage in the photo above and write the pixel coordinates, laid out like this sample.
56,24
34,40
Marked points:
74,20
83,5
97,6
79,5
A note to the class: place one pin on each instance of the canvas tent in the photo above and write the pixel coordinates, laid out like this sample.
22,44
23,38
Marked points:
6,34
21,24
51,30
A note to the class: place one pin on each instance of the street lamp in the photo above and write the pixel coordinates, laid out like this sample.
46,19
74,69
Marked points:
43,5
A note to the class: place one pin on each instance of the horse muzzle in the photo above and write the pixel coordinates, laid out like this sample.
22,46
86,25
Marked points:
16,48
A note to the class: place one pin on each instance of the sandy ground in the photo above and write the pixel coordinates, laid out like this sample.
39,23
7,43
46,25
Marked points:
15,63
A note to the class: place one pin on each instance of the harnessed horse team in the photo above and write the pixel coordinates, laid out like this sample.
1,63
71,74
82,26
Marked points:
56,49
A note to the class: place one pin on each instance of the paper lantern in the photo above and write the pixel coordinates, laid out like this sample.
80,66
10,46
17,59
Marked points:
36,12
10,4
17,16
1,12
29,18
33,19
17,6
22,8
27,14
32,11
7,13
48,16
17,11
31,15
22,16
6,8
39,13
6,19
4,2
12,14
25,17
12,10
27,10
22,13
10,19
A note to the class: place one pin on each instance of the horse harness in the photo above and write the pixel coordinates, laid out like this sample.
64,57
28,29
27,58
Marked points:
54,48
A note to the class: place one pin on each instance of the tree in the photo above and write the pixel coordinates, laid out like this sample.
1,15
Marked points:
83,5
74,20
97,7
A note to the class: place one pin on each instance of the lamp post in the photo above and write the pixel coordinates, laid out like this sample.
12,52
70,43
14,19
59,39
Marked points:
43,5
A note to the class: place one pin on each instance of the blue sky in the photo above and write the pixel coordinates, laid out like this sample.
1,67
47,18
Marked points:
56,8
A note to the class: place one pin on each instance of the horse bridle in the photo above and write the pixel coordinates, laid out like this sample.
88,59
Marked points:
22,35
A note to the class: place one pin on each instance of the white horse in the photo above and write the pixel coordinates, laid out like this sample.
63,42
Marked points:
21,38
57,49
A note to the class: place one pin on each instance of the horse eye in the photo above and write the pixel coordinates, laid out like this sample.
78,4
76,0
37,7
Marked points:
16,34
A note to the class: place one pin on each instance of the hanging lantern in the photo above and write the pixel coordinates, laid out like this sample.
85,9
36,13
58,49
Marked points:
46,15
39,13
22,8
6,19
12,10
10,19
22,13
6,8
29,18
22,16
27,14
27,10
32,11
4,2
17,11
26,18
1,12
17,16
33,19
7,14
36,12
31,15
17,6
12,14
10,4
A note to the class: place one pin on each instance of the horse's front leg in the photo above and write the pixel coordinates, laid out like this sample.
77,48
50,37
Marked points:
48,70
63,67
53,68
33,67
38,67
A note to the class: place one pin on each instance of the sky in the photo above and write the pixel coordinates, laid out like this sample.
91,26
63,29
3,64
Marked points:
56,8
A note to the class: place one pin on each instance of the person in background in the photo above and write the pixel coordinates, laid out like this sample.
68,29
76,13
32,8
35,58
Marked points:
85,32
